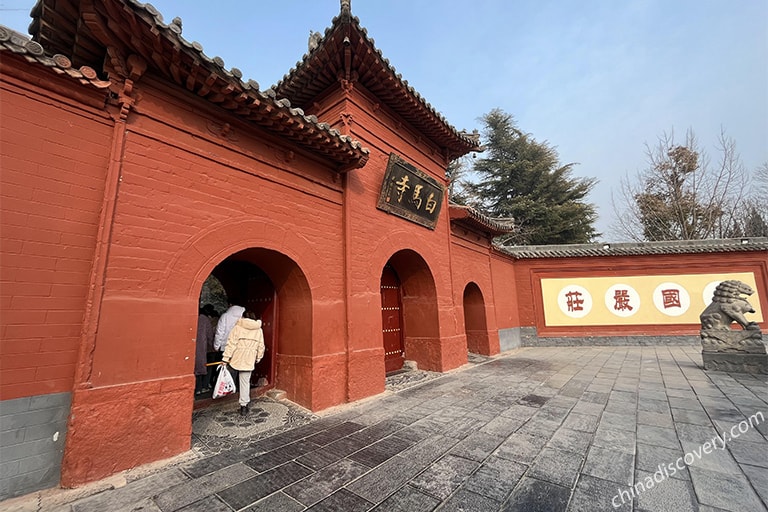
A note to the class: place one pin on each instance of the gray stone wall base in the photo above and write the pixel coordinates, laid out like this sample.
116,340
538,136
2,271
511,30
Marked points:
509,339
529,338
737,362
32,434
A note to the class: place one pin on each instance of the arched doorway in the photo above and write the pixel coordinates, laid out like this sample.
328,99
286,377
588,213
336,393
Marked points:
474,320
272,286
419,322
246,284
392,320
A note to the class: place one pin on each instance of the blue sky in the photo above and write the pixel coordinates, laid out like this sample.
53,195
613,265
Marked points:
596,79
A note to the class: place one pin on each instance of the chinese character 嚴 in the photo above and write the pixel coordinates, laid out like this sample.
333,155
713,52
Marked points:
671,298
622,300
574,301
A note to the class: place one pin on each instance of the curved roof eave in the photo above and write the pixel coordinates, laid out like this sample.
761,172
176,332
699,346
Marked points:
346,52
185,63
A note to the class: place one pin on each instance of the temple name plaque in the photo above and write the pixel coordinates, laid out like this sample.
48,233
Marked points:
410,193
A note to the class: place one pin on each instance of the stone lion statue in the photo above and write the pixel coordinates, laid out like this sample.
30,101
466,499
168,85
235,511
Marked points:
728,306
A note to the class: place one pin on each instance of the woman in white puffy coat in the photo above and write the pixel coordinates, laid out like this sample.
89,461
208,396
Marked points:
245,348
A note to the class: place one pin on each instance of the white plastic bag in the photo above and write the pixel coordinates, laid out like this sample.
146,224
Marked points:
225,384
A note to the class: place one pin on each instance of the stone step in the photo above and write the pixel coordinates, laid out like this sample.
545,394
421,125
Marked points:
277,394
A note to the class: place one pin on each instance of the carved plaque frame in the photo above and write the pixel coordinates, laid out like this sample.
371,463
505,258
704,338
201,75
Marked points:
410,193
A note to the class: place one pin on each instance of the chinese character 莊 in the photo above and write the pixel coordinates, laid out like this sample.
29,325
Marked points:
574,301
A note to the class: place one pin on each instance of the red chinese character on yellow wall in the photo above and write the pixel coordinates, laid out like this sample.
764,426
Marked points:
671,298
621,298
574,301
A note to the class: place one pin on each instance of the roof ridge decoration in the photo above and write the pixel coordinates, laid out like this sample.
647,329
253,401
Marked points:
637,248
293,84
243,98
32,51
473,217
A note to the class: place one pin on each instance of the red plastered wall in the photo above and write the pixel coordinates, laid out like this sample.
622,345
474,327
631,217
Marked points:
52,165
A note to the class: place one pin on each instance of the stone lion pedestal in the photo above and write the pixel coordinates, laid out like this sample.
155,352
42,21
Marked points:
724,349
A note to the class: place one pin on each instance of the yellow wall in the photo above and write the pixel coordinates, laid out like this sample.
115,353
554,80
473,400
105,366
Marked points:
636,300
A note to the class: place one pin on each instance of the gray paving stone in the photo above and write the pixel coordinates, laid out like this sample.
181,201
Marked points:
609,465
189,492
464,500
476,446
722,490
556,466
753,454
209,504
582,422
539,427
592,494
502,426
716,460
274,502
532,495
584,407
280,456
688,416
650,457
252,490
408,499
758,477
695,433
618,421
496,478
445,475
620,440
690,404
325,482
382,450
342,500
659,419
521,447
570,440
665,494
132,492
550,413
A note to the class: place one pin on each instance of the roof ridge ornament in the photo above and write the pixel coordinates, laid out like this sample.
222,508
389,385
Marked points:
346,9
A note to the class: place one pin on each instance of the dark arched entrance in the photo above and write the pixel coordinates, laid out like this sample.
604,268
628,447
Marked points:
474,320
272,286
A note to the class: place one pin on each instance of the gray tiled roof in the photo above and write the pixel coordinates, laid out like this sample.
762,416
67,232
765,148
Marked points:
636,248
17,43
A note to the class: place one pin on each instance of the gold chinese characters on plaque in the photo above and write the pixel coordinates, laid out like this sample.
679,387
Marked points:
410,193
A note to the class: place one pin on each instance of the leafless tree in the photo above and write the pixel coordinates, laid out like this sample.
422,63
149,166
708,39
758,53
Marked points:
681,195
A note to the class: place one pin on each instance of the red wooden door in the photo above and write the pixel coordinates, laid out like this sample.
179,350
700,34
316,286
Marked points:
262,300
392,320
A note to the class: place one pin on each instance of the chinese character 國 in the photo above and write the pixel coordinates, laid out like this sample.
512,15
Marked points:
671,298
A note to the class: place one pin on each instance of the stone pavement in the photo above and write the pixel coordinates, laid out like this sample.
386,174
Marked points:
536,429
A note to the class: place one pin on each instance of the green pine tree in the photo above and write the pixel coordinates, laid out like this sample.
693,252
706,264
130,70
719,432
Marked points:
523,179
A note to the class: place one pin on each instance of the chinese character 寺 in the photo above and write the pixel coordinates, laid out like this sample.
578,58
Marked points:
622,300
402,186
574,301
417,195
671,298
431,203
